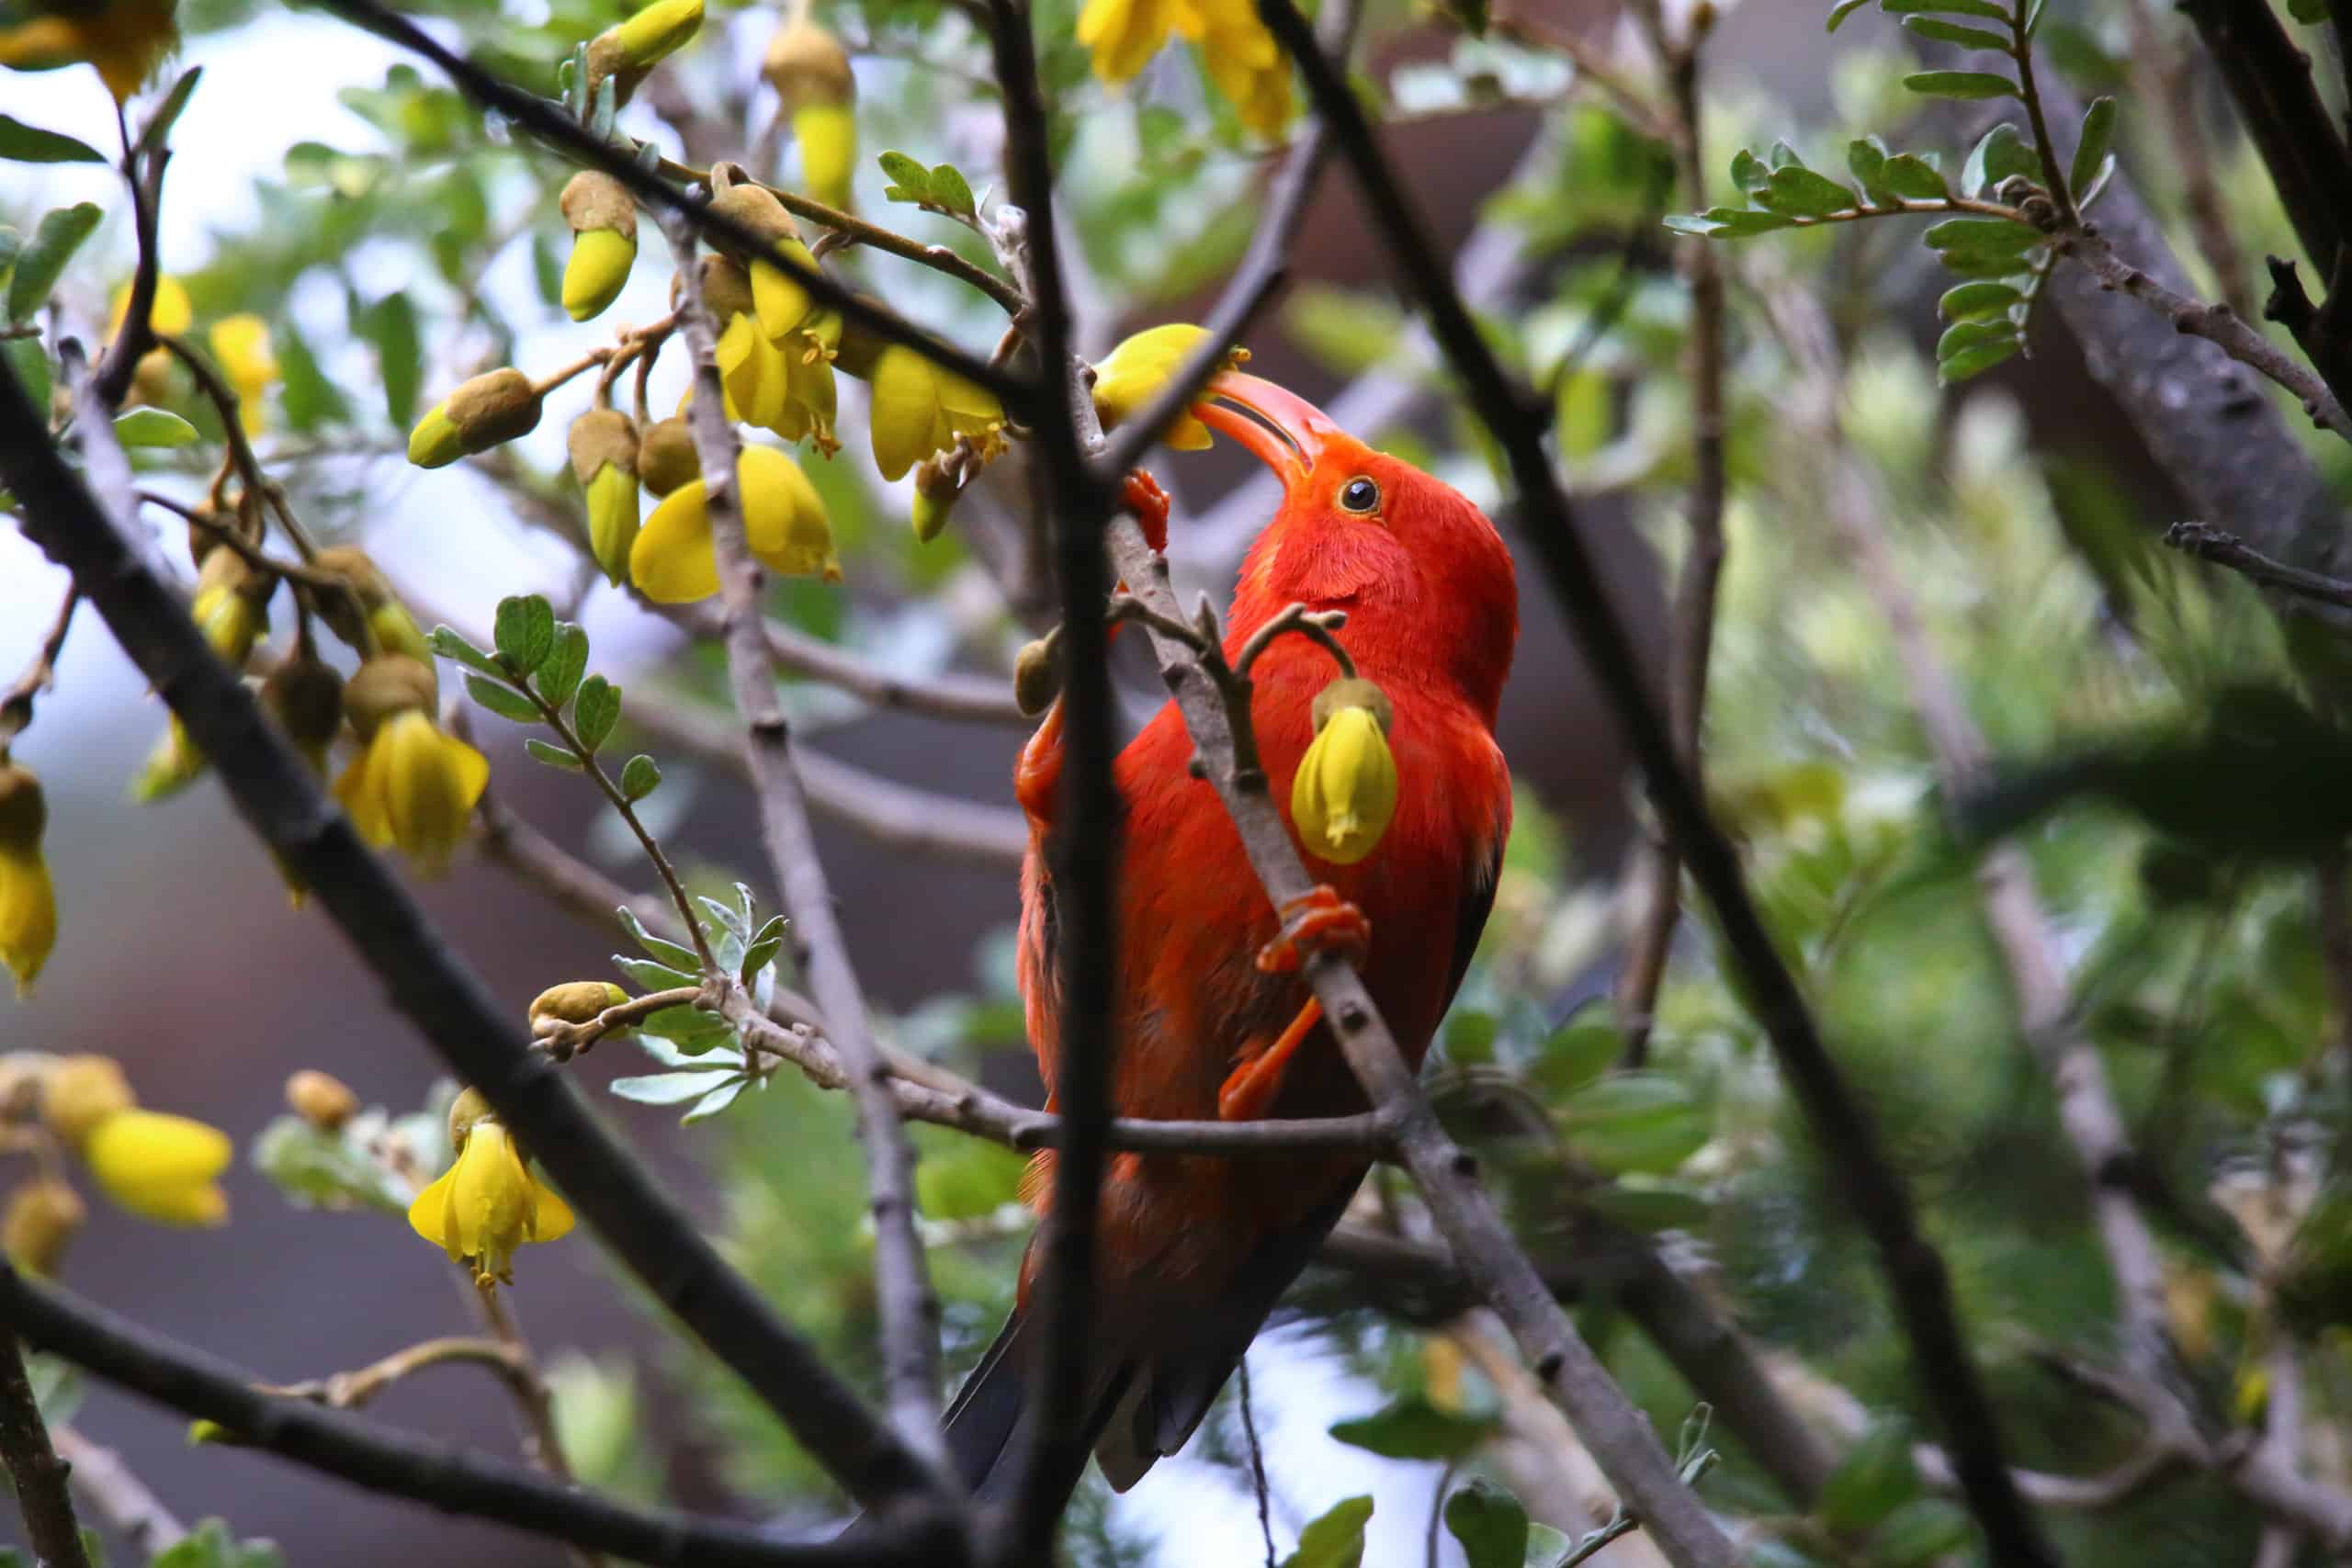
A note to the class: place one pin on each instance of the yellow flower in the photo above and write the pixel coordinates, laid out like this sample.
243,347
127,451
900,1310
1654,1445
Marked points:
487,1204
783,521
919,409
241,342
753,374
783,304
1243,60
827,135
1345,789
27,902
160,1167
413,787
660,29
171,315
125,41
1126,34
597,272
1132,375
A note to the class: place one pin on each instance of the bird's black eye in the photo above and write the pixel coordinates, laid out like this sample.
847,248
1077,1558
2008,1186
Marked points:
1360,496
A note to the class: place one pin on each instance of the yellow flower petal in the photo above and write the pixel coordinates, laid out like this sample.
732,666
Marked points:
241,342
597,272
487,1204
918,408
1124,34
784,518
671,561
171,315
827,136
161,1167
1345,789
782,303
1133,373
612,519
28,915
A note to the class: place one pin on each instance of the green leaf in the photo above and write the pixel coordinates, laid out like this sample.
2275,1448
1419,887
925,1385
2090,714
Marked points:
1876,1477
951,190
679,958
1411,1427
763,948
523,633
29,362
694,1031
1913,178
553,756
55,239
1576,1053
1334,1540
1843,10
152,427
1547,1548
1750,173
389,327
1961,84
1635,1122
2098,132
1921,1531
669,1089
1953,32
1981,237
910,181
211,1545
322,1170
502,700
1866,161
1978,301
158,129
558,675
25,143
1490,1524
1726,223
2310,12
450,643
1664,1206
648,976
1800,192
595,711
718,1100
309,398
1984,8
1958,366
639,776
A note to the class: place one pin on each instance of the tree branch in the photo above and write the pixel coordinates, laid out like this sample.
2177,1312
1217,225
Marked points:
288,809
548,122
2229,550
113,1491
1083,850
910,1308
35,1472
797,653
1914,1271
182,1377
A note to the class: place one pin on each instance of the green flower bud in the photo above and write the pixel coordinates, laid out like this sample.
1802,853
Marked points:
627,51
435,443
935,493
604,247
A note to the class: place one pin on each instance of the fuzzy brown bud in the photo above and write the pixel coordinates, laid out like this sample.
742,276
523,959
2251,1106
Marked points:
594,199
304,694
23,813
1353,692
384,685
665,456
756,209
321,1098
43,1215
468,1108
495,406
726,289
805,64
602,436
575,1001
79,1092
1038,676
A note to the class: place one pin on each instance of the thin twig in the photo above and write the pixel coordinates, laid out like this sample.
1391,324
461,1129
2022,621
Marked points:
2227,549
394,1463
286,806
909,1307
35,1472
144,174
795,652
39,676
353,1389
1921,1287
2217,325
548,121
1083,853
1691,639
1256,1459
112,1491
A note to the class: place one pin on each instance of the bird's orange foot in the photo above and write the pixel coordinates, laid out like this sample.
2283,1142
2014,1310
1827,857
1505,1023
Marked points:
1318,920
1249,1090
1141,494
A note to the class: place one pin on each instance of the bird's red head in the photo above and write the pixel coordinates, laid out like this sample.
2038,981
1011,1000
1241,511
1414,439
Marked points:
1426,581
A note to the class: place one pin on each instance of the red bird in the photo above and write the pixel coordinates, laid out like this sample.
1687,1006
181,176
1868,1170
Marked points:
1210,1017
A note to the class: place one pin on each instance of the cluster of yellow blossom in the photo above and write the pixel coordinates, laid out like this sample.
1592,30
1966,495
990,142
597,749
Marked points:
123,40
240,345
157,1165
412,785
1241,55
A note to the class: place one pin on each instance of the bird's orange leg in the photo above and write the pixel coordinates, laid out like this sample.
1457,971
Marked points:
1314,921
1141,494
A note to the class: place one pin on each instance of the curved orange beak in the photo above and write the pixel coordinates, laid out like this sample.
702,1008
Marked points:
1279,428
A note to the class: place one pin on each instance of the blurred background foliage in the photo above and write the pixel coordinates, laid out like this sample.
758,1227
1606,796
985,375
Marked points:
403,245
